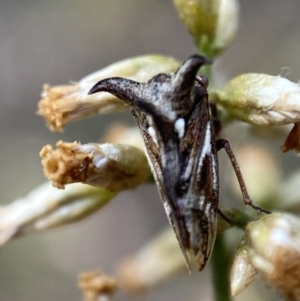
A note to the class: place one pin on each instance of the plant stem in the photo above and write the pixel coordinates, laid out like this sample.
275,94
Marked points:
220,268
236,218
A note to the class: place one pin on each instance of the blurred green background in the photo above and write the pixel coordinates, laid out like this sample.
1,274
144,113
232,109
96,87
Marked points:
58,41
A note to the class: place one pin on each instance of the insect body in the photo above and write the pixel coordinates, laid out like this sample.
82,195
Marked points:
172,113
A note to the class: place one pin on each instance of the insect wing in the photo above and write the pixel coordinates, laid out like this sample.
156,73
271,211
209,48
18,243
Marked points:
202,195
185,168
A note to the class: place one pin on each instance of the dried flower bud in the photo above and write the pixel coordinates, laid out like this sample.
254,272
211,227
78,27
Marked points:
242,271
63,104
96,286
274,249
261,99
213,24
78,208
157,261
114,167
46,207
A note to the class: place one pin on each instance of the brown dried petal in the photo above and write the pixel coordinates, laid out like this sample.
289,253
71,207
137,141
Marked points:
61,105
292,142
95,285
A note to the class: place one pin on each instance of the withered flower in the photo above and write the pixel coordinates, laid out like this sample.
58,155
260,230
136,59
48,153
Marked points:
61,105
114,167
274,250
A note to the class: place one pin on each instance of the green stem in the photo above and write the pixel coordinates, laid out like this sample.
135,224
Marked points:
207,71
204,48
236,218
221,262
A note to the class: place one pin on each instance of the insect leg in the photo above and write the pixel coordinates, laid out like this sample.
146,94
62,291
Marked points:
222,143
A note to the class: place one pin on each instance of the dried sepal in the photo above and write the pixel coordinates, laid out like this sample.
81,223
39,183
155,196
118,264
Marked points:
61,105
213,24
274,250
114,167
292,141
242,271
46,207
97,286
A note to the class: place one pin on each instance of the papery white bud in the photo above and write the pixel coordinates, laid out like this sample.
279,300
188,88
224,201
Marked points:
228,24
274,250
213,24
261,99
46,207
114,167
77,209
63,104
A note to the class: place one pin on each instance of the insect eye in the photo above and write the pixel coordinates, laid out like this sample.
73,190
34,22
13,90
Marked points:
161,77
203,81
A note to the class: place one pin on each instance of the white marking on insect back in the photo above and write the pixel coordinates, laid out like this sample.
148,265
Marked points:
214,162
152,133
179,127
207,140
206,148
204,151
168,211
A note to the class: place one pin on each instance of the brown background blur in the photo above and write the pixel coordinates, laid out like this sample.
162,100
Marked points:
58,41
